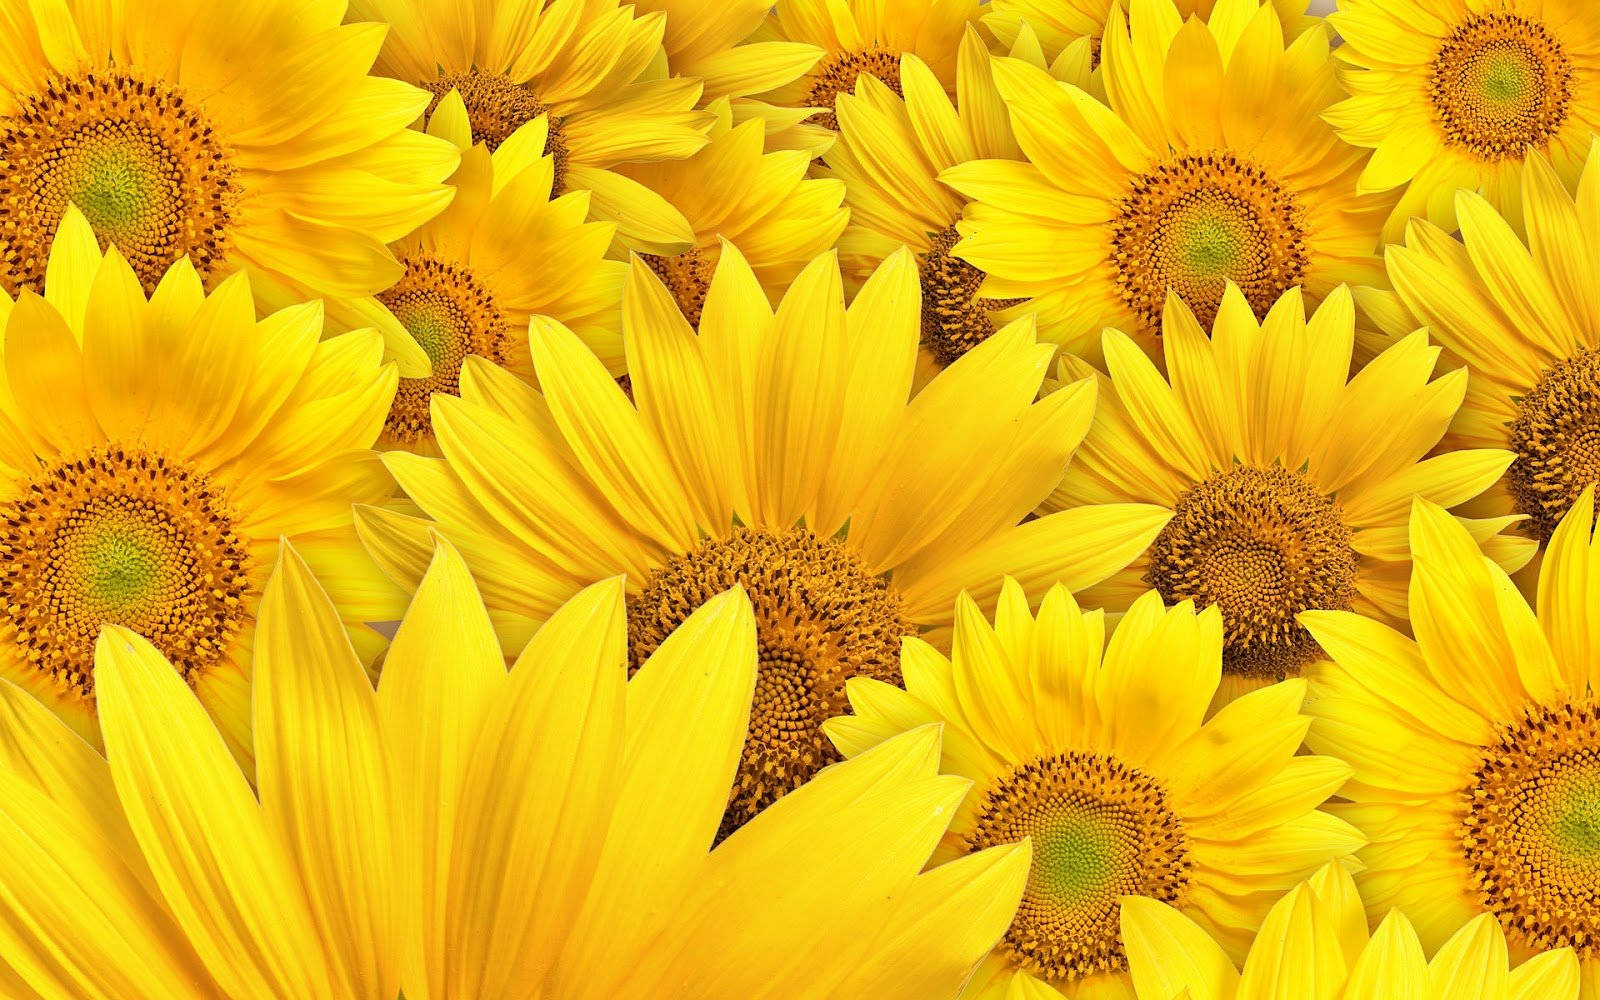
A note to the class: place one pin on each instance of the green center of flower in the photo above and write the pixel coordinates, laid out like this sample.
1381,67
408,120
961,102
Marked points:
121,565
1500,84
1556,438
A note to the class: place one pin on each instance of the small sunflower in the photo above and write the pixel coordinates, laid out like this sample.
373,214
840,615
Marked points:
761,201
1476,745
502,252
1288,480
1315,943
1209,166
1520,304
776,451
158,871
243,136
152,454
1456,94
583,65
1097,752
1061,24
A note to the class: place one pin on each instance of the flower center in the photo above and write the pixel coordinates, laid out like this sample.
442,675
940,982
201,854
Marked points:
1500,84
451,316
1263,545
137,158
837,74
117,537
1198,221
954,318
821,619
1101,830
688,277
1531,836
1556,437
497,107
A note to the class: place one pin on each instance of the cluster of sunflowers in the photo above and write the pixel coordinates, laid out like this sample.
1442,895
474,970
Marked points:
861,499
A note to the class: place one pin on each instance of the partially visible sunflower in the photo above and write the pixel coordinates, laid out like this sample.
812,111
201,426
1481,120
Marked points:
776,451
152,454
467,832
1060,24
584,65
1457,93
1209,166
1315,943
243,136
759,200
1476,745
1097,752
1289,480
1519,304
502,252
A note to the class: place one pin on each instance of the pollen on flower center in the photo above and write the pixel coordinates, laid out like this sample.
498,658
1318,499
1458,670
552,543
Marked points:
954,318
1196,222
1556,438
1263,545
1101,830
1531,832
497,107
138,159
1500,84
451,315
688,277
821,619
123,537
837,74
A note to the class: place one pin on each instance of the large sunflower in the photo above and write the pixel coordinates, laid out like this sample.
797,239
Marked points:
774,451
468,832
1210,165
241,135
1060,24
1098,753
582,64
502,252
1315,943
1289,481
1476,745
1521,306
152,453
759,200
1456,93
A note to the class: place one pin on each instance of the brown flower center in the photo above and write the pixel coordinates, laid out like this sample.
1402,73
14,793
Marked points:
1556,437
954,318
837,74
688,277
1500,85
497,107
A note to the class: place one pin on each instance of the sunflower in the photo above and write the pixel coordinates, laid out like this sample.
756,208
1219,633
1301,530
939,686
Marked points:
760,201
157,871
502,252
1060,24
776,451
1314,943
1289,486
1520,304
243,136
1102,759
153,452
890,153
1456,93
1476,745
584,65
1210,165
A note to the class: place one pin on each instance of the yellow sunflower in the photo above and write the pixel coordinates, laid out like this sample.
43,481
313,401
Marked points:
1209,165
1476,745
243,136
1456,93
1315,943
777,451
502,252
152,453
890,153
582,64
1060,24
1520,304
759,200
463,831
1289,481
1097,752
